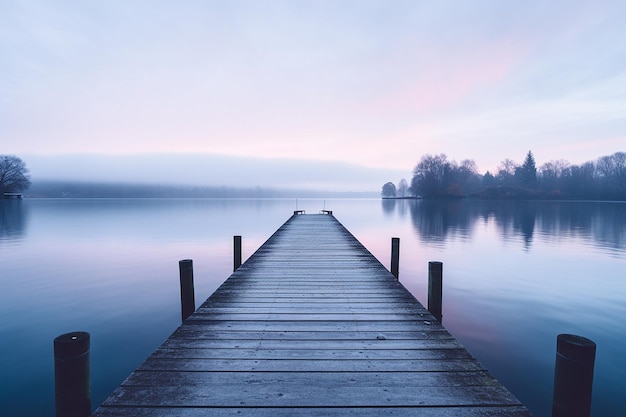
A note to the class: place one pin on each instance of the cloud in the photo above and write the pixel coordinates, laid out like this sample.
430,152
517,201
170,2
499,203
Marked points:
368,83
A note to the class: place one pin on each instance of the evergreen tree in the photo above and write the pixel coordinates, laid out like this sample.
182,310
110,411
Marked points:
488,179
527,173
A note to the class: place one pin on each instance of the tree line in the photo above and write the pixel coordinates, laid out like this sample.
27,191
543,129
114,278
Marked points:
435,176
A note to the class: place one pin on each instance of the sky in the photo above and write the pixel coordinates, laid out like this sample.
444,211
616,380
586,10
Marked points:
362,88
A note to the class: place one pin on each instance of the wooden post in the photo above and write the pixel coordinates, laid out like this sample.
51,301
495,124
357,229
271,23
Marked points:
187,300
435,289
573,376
72,383
236,252
395,256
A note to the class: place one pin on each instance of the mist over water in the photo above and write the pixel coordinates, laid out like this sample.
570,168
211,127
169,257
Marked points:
516,274
211,170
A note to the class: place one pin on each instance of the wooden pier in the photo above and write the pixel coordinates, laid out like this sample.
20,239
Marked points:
311,325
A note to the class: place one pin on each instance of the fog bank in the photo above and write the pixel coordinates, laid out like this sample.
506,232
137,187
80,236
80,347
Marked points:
210,170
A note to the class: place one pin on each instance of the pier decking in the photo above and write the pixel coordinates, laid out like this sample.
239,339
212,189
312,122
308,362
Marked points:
311,325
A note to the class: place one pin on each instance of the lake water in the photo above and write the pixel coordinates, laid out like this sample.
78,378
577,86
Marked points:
516,274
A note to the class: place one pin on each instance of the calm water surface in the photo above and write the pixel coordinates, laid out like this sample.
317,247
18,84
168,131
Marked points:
516,274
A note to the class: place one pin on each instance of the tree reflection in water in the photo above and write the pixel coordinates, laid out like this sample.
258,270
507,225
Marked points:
438,220
13,216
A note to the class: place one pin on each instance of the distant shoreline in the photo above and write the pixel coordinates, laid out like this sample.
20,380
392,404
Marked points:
69,189
475,198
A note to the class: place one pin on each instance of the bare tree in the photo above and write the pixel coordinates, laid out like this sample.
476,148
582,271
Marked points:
429,175
389,190
506,172
402,188
469,178
551,174
611,172
14,176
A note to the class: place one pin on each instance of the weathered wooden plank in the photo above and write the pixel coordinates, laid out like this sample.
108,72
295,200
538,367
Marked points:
355,285
291,380
380,341
344,292
322,287
305,298
311,324
269,307
496,411
321,326
297,317
317,292
260,395
339,354
439,343
336,300
213,333
320,365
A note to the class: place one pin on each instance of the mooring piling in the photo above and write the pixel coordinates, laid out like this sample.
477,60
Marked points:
72,383
435,289
187,298
573,376
236,252
395,257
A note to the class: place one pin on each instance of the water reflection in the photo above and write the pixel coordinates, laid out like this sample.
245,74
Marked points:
116,262
389,206
436,221
13,219
517,273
